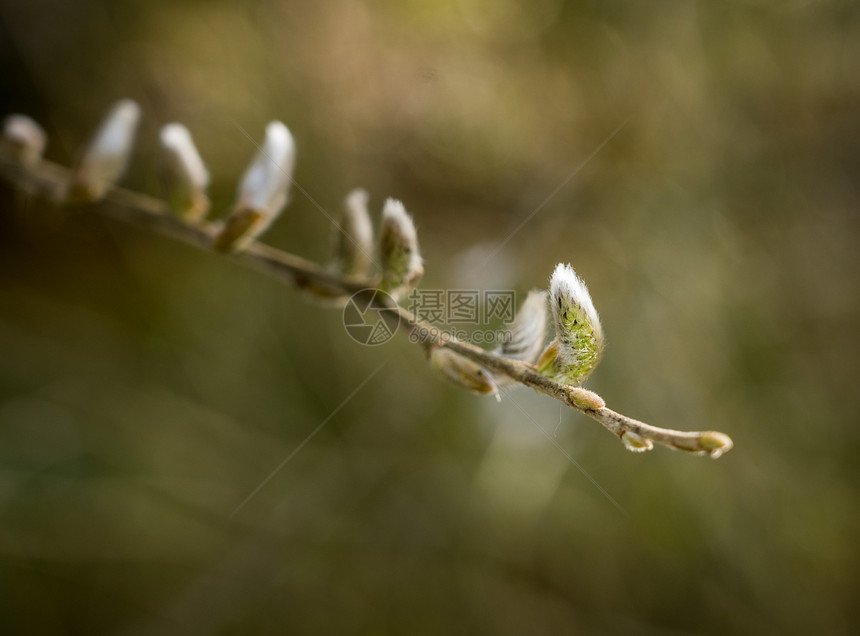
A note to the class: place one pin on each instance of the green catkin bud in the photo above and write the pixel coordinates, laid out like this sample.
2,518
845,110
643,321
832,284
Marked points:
354,238
402,266
463,372
578,345
107,154
262,192
183,174
24,139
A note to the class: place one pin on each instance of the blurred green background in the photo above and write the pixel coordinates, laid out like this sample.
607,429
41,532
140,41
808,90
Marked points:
146,389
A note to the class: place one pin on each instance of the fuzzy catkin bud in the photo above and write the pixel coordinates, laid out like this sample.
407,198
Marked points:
354,238
183,173
263,190
528,331
578,345
526,335
24,139
462,371
402,266
108,153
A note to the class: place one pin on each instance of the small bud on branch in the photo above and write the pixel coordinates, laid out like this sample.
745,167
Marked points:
263,191
24,139
107,155
635,443
585,399
402,267
354,237
462,371
183,173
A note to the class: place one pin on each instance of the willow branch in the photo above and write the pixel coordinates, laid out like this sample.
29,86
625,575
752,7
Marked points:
49,180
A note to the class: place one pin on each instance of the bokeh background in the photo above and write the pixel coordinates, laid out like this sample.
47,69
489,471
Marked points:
146,389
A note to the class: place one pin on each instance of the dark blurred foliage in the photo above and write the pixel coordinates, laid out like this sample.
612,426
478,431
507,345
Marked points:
146,389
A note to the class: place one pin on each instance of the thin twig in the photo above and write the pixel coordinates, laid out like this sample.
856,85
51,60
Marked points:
49,180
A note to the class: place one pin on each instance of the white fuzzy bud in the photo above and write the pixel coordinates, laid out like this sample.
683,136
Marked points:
402,266
528,330
263,190
354,237
183,173
108,153
525,337
24,139
462,371
578,344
